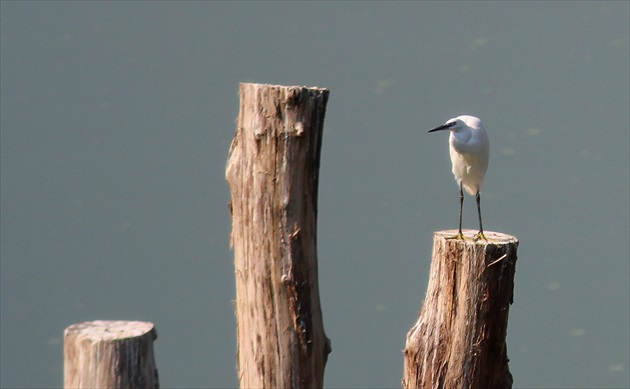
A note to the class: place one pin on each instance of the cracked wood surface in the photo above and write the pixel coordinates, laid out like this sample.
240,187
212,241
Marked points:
272,172
459,338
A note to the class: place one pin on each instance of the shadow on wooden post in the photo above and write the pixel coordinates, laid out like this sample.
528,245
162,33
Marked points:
459,338
110,354
272,172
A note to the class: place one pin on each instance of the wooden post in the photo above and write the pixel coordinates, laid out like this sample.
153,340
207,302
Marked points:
272,172
110,354
459,338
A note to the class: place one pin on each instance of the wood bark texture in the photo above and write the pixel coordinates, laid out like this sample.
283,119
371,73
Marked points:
459,340
272,172
110,354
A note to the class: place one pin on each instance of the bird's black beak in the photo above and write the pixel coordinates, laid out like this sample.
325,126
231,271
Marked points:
443,127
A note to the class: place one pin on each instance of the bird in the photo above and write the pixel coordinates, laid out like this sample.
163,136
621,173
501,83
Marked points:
469,148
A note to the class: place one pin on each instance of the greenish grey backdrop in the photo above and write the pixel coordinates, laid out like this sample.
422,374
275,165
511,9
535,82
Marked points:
116,119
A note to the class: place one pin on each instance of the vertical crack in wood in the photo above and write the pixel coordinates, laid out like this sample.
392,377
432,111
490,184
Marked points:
466,310
274,210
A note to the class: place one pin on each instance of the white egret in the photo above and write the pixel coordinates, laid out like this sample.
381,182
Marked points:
469,148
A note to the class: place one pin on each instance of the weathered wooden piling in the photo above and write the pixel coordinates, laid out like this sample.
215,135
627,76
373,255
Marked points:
110,354
459,339
272,172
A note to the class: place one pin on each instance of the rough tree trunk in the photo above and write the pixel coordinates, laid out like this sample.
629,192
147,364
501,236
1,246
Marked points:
272,172
459,338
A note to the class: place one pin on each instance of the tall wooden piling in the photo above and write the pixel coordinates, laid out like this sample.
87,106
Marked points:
272,172
110,354
459,339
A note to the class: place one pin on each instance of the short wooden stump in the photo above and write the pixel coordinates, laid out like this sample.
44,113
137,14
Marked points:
110,354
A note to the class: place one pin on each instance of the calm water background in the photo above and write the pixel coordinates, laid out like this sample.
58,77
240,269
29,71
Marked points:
116,121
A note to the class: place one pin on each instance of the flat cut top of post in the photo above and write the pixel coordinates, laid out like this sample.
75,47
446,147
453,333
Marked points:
257,85
469,235
107,330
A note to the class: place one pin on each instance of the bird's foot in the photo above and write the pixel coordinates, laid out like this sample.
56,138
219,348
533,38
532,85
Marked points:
459,236
480,235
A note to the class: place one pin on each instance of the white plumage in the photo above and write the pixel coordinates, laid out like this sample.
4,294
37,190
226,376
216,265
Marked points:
469,147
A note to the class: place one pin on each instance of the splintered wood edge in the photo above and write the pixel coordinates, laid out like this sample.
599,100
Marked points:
110,329
469,235
257,85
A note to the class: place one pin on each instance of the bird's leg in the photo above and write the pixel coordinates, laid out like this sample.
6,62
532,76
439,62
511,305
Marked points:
461,208
460,235
480,235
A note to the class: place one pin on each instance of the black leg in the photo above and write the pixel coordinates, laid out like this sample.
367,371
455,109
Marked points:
480,234
461,207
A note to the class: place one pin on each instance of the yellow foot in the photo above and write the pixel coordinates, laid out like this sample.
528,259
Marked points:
479,236
459,236
482,236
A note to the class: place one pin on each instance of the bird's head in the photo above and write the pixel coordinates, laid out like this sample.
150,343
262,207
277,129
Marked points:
470,121
459,124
